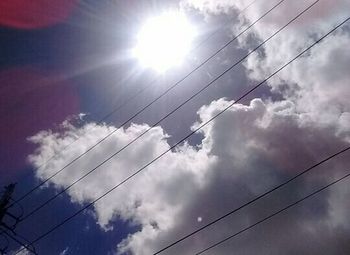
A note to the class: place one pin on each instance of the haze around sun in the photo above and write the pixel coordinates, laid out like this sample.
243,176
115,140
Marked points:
164,41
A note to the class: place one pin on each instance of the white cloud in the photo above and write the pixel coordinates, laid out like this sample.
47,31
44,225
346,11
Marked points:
65,251
318,83
21,251
244,152
130,204
212,7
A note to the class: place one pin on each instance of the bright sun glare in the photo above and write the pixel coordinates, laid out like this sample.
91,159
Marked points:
164,41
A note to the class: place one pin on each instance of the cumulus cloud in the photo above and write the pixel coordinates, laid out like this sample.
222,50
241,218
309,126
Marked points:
244,152
318,83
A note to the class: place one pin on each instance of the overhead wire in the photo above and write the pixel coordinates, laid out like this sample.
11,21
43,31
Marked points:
283,184
25,246
4,246
190,134
133,116
274,214
170,113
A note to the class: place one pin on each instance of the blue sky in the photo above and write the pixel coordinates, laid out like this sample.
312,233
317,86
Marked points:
67,66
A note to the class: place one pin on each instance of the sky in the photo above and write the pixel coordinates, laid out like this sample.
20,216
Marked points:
66,65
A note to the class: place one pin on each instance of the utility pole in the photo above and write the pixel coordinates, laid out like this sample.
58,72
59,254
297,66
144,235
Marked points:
4,202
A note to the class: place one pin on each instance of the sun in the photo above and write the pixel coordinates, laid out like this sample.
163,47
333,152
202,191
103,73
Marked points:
164,41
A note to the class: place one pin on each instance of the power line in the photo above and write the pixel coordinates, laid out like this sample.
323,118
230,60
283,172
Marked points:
5,244
4,213
252,201
32,250
216,31
140,111
167,115
274,214
182,140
